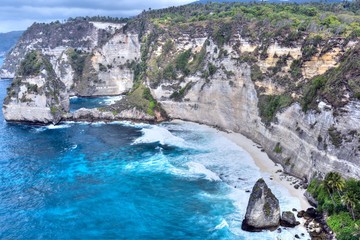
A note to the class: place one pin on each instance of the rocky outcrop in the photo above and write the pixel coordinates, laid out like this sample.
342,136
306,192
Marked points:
316,225
311,199
263,211
91,58
288,219
36,95
94,115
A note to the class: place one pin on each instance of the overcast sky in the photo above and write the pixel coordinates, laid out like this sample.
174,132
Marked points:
19,14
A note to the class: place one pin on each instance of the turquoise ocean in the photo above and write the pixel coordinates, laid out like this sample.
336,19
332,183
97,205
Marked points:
123,180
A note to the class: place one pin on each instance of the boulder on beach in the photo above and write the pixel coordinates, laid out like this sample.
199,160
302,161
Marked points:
310,199
263,210
288,219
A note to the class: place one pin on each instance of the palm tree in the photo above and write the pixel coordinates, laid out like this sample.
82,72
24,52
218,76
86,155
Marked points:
348,201
334,182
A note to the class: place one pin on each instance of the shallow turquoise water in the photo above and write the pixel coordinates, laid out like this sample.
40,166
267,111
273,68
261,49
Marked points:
124,181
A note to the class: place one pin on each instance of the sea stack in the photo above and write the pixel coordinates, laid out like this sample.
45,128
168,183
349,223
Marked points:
263,210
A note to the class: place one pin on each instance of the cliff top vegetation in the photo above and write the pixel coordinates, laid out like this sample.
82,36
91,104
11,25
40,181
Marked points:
336,19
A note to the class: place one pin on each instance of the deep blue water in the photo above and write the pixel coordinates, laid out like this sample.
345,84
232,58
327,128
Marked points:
124,181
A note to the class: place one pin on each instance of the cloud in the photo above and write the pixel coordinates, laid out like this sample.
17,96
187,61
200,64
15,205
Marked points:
20,14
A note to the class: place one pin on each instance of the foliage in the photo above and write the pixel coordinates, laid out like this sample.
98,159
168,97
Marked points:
181,62
311,92
256,74
77,60
222,34
199,60
286,21
168,47
278,148
169,72
270,104
31,65
335,137
295,69
142,99
212,69
335,83
341,200
179,95
344,226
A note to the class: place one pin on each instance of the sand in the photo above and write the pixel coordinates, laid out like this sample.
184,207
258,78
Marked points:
267,165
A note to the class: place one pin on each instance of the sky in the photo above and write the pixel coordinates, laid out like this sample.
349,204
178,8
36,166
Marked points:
20,14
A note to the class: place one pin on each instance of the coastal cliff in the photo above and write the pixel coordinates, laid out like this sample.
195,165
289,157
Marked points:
36,95
294,91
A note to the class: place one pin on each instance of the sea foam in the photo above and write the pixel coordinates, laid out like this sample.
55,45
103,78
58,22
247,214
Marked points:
154,134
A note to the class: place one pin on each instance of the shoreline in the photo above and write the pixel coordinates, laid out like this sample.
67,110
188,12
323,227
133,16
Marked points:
266,165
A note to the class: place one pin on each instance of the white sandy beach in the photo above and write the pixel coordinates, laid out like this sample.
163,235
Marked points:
265,164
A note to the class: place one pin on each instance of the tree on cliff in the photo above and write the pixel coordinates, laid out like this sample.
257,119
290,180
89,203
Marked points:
349,202
334,182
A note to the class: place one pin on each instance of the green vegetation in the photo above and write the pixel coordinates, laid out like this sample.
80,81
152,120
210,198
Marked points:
256,74
309,48
179,95
169,72
335,137
31,65
278,148
32,88
212,69
77,60
340,198
311,92
344,226
181,62
270,104
222,34
142,99
285,22
267,209
332,85
295,69
199,60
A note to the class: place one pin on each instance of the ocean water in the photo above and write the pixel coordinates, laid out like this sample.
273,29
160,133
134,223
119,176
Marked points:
83,102
126,181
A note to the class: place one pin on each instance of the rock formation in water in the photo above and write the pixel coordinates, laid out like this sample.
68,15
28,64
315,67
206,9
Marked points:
288,219
263,210
294,91
36,94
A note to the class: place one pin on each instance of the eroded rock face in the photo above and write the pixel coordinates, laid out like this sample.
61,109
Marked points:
94,115
36,95
263,210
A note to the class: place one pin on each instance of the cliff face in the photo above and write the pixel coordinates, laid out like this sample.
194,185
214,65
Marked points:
36,95
91,58
298,98
307,143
